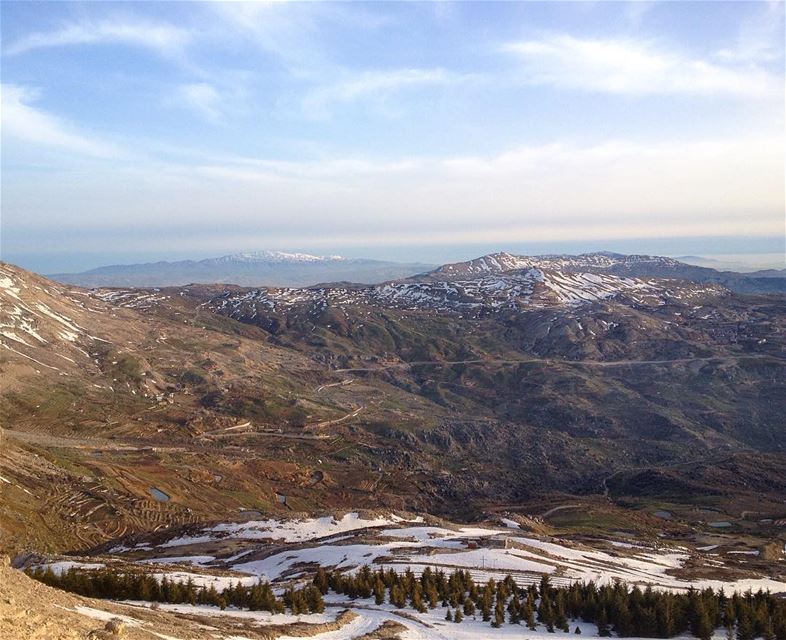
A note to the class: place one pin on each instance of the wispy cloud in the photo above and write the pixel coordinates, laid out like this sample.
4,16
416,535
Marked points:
376,85
30,124
203,98
760,38
289,32
623,66
623,188
295,32
165,39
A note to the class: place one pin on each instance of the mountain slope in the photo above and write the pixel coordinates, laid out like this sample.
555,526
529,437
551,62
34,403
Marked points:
530,288
448,394
628,266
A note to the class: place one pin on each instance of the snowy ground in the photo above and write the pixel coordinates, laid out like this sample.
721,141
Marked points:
428,626
281,550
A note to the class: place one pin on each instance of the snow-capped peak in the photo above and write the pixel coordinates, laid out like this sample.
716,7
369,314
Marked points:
275,257
598,261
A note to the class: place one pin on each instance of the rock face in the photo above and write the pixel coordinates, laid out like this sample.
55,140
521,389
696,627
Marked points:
32,611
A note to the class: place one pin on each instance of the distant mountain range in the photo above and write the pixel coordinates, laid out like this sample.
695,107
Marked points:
281,269
258,268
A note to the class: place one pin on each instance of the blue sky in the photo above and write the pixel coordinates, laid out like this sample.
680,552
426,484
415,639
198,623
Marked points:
167,130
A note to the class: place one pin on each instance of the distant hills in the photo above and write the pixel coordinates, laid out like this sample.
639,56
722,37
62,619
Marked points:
282,269
258,268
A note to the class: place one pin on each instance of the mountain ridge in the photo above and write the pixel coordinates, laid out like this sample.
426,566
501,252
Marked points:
284,269
256,268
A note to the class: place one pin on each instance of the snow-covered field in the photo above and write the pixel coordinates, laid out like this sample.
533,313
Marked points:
289,551
427,626
282,550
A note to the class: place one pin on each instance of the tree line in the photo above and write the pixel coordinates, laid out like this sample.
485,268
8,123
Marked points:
111,585
614,608
618,608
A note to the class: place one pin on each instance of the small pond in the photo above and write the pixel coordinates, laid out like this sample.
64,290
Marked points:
722,524
663,514
158,494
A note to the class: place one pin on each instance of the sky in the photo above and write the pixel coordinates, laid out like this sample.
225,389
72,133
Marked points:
419,131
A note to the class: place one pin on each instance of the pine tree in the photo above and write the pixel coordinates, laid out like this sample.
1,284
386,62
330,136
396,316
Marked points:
417,598
729,615
379,590
603,624
702,627
499,613
529,615
779,621
469,607
745,624
458,617
768,633
321,581
560,619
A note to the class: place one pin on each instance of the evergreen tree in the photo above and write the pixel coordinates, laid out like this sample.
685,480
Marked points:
321,581
499,613
701,625
745,625
603,624
529,616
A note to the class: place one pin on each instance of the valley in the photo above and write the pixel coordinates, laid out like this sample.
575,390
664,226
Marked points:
517,416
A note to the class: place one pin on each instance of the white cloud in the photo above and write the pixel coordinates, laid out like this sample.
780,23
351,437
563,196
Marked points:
376,85
165,39
204,99
561,191
623,66
24,122
288,31
294,32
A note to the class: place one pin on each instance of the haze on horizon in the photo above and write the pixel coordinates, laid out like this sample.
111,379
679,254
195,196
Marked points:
432,132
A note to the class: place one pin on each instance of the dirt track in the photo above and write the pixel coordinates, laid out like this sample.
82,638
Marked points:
547,361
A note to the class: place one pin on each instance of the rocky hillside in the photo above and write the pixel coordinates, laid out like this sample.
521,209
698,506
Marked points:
627,266
128,409
523,289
